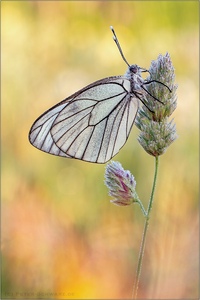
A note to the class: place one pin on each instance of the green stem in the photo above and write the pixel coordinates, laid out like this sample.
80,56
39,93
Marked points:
142,246
142,207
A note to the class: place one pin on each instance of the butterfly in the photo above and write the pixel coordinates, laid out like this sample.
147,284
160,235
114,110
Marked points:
94,123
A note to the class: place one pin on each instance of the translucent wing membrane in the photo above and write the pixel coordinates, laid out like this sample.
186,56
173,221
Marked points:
40,135
91,125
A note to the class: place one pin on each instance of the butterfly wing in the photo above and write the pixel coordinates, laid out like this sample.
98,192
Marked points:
91,125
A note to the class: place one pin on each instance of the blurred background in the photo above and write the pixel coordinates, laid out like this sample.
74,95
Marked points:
61,236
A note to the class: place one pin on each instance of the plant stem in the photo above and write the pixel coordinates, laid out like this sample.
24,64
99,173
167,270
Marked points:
142,246
142,207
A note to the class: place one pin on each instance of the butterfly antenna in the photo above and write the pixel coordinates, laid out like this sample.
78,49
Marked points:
118,45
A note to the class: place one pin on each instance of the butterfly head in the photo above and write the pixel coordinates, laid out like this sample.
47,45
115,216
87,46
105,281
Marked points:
134,72
135,69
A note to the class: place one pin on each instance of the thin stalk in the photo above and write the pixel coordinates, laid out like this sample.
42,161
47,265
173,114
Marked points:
142,207
142,246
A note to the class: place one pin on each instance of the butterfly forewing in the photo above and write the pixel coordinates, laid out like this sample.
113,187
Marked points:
91,125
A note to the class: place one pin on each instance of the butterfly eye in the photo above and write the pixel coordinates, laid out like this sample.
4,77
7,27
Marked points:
134,69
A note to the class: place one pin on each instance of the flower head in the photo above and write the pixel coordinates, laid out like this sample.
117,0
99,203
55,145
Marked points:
157,133
121,184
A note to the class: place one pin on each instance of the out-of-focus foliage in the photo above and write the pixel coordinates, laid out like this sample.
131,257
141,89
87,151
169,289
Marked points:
61,237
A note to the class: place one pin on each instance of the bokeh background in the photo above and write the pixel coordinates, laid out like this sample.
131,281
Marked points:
61,236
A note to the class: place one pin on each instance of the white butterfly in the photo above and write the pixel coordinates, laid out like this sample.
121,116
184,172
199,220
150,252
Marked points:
94,123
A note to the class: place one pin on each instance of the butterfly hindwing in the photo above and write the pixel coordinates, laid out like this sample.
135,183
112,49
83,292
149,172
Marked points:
91,125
